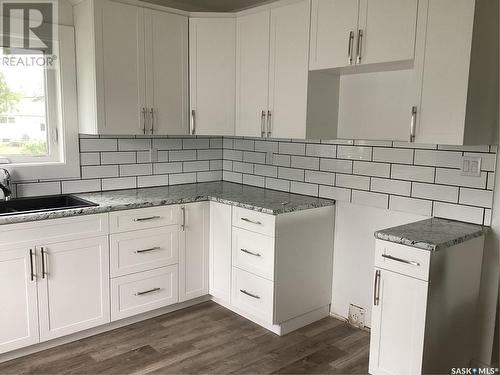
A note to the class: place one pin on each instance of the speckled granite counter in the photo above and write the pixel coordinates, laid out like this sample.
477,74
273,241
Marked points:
253,198
432,234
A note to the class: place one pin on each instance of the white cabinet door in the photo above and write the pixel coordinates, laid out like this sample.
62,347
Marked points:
388,28
212,56
289,70
18,311
121,31
398,324
193,251
73,287
441,116
252,73
333,30
167,72
220,251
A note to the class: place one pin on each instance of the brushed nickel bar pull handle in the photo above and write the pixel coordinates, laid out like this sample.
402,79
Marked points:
31,266
250,253
141,219
183,219
263,124
401,260
147,292
360,46
349,47
44,272
152,112
376,289
413,123
144,120
192,129
249,294
251,221
147,250
269,123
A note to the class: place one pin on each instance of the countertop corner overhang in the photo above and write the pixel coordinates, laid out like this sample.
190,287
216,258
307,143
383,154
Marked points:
267,201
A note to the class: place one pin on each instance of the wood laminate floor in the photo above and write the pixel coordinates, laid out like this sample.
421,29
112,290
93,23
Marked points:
205,339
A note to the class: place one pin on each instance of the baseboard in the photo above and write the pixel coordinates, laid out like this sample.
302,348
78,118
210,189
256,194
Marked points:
101,329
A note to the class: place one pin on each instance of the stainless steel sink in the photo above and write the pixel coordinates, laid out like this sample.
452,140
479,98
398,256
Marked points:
41,204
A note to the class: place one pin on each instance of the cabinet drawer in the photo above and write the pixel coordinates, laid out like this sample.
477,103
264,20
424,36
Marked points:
253,294
253,252
144,291
143,218
402,259
144,250
254,221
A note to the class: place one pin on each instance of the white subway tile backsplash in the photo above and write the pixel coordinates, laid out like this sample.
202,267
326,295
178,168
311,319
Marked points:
339,194
361,142
389,186
447,159
232,177
183,155
323,178
393,155
189,144
435,192
101,171
227,143
335,165
38,188
118,157
291,174
275,184
209,176
282,160
354,152
464,148
215,142
488,161
305,162
454,177
456,212
292,148
415,206
215,165
90,158
414,145
80,186
151,181
266,170
233,155
209,154
367,168
145,156
266,146
134,144
491,181
165,168
304,188
412,173
353,182
227,165
136,170
254,157
119,183
487,217
92,144
242,167
250,179
475,197
182,178
167,144
244,144
367,198
321,150
162,156
196,166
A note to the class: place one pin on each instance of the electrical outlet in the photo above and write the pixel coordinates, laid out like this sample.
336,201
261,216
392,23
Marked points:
356,316
471,166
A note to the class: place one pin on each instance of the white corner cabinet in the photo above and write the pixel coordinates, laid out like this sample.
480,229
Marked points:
424,308
132,69
272,69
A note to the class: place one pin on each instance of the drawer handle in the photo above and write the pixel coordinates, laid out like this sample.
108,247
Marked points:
250,252
147,218
148,292
249,294
251,221
401,260
147,250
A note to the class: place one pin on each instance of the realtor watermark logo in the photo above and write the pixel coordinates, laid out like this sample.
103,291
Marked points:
29,28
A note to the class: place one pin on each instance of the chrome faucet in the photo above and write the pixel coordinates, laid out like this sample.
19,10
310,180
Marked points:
5,184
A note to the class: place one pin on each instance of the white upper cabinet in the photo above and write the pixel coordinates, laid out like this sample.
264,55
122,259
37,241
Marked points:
276,108
458,73
132,69
212,75
354,32
252,77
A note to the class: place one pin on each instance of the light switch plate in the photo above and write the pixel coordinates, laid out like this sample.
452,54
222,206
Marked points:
471,166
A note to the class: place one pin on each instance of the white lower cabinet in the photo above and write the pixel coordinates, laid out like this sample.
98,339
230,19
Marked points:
19,313
73,292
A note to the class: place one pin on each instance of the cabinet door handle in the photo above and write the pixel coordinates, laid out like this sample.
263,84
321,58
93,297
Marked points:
192,128
32,270
376,289
144,119
411,262
141,219
249,294
360,46
147,250
349,47
263,124
148,292
44,271
250,253
251,221
152,112
413,123
183,219
269,123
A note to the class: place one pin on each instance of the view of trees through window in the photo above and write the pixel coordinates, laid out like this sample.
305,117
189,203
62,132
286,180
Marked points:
23,110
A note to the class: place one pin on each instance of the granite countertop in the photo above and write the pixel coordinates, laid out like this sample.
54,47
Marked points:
432,234
254,198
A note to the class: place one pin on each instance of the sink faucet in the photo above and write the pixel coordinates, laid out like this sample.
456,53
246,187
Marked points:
5,184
